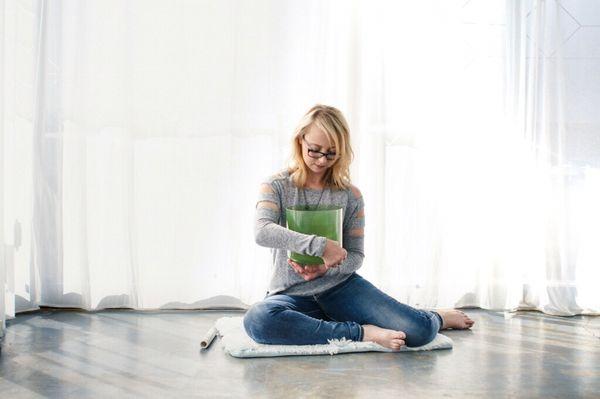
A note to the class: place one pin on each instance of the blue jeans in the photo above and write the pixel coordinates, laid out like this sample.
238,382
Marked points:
337,313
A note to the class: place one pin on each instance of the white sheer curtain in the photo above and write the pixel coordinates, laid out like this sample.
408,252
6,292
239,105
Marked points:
135,135
153,124
437,151
478,171
550,47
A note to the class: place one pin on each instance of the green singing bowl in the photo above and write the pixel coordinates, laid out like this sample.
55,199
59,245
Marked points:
324,221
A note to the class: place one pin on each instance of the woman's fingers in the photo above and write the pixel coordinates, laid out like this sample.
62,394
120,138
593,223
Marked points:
299,269
308,272
317,268
311,268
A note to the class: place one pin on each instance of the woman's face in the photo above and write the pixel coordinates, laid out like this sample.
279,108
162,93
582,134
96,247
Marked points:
315,139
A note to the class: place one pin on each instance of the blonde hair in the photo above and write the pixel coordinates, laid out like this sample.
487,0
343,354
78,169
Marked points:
331,121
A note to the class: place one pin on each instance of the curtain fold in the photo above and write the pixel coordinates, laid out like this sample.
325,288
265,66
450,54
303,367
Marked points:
135,134
17,52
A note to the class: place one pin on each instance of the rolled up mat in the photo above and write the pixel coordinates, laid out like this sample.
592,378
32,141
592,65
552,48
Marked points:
208,338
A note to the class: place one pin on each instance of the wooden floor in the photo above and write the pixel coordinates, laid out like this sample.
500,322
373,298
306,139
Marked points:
123,353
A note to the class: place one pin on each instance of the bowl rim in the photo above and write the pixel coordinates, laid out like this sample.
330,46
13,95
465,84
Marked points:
320,208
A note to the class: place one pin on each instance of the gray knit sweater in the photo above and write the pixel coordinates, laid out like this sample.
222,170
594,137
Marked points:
278,192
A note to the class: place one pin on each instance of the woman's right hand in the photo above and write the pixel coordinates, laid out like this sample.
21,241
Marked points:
334,254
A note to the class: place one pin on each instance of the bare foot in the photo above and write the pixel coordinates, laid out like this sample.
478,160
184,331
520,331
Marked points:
389,338
454,318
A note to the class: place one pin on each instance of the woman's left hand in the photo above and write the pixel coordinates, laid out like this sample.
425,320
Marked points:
308,272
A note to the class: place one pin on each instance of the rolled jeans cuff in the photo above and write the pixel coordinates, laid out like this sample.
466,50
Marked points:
441,321
360,333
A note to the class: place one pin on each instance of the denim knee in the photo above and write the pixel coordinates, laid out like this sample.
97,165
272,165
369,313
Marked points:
256,321
424,332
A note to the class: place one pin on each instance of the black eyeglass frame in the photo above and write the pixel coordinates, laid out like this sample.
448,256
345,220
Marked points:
327,155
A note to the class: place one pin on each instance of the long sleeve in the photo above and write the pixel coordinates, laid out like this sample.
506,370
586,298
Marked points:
354,235
268,232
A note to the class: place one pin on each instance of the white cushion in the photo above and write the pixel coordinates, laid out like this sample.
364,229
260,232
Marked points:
237,343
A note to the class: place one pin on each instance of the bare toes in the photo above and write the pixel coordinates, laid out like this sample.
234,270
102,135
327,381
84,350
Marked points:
396,344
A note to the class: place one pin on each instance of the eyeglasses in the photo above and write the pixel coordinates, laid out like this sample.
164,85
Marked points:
318,154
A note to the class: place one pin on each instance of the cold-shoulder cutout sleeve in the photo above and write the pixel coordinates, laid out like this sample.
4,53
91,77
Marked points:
354,233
